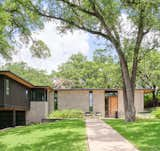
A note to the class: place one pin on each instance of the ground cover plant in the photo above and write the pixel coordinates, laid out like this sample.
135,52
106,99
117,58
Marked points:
66,135
72,113
156,112
143,133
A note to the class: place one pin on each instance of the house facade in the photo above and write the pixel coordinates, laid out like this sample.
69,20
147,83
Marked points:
107,102
21,102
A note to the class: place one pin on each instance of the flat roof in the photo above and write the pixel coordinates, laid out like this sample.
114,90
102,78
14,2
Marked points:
21,80
104,89
85,89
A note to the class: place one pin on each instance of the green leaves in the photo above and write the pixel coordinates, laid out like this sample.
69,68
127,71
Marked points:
39,49
37,77
17,23
98,73
149,70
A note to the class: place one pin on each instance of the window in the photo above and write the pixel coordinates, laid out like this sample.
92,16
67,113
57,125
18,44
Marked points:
39,95
90,101
55,100
7,87
107,94
26,93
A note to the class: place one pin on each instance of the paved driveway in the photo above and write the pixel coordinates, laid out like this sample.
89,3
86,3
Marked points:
101,137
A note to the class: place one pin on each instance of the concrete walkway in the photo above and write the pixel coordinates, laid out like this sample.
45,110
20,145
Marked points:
101,137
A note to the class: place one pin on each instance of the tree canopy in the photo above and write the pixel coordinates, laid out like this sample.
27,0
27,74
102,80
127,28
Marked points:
36,77
17,23
99,73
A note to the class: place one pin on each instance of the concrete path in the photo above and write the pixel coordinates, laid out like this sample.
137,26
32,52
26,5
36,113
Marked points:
101,137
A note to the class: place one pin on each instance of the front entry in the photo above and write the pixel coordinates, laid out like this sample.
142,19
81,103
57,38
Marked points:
111,106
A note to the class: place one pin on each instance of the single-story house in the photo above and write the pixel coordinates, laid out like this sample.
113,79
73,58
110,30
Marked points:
21,102
107,102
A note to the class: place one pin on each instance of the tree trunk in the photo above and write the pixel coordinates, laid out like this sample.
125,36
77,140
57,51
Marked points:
128,97
128,90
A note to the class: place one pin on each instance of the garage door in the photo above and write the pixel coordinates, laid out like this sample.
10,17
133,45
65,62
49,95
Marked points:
6,119
20,118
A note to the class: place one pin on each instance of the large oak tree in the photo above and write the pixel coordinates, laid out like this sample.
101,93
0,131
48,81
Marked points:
107,19
104,18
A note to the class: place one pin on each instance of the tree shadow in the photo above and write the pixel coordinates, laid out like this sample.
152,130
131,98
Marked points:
144,133
64,135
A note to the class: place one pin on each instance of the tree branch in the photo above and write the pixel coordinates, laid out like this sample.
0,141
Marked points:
82,27
139,38
72,5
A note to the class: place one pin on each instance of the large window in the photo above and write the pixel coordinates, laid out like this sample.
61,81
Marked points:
90,101
55,100
7,87
39,95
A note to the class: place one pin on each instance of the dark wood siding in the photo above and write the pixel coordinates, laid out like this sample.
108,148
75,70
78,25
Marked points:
17,97
1,90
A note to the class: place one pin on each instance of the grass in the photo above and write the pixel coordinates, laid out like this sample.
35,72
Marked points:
145,134
66,135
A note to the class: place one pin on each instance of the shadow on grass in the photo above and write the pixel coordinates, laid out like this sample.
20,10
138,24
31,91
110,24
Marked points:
59,136
44,126
145,134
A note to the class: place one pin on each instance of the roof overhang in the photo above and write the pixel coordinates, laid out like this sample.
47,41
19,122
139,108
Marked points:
85,89
23,81
48,88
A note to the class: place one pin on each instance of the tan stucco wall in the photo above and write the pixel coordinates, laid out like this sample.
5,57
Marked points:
99,101
38,111
73,100
138,102
80,100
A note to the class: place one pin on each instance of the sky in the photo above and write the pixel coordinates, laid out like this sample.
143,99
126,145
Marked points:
62,46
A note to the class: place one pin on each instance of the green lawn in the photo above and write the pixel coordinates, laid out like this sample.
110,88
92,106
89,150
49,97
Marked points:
145,134
67,135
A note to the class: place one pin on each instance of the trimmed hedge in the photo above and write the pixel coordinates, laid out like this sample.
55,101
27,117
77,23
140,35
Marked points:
66,114
156,113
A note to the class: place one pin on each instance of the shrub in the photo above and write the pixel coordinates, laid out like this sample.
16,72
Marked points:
67,114
156,113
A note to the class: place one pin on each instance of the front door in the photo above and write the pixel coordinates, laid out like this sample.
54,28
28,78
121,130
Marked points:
113,106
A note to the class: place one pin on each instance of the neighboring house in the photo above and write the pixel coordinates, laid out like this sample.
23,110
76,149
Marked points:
21,102
107,102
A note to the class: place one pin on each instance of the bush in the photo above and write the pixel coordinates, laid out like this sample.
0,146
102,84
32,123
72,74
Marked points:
156,113
67,114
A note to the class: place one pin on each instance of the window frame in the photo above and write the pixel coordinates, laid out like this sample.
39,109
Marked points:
7,87
55,100
91,101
